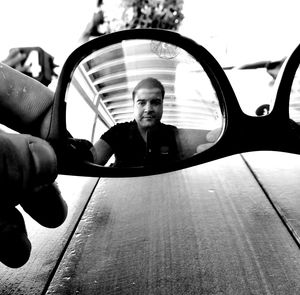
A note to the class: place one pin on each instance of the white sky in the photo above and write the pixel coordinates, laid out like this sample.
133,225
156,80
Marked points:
54,25
235,31
251,30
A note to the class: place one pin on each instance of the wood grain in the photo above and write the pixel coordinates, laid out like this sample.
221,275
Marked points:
204,230
279,175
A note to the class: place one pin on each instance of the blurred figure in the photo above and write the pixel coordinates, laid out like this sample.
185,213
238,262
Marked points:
16,59
33,62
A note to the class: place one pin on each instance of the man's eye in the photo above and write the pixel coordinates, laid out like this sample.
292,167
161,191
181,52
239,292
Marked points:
156,102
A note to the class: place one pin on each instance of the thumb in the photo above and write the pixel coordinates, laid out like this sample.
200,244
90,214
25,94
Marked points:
213,135
26,162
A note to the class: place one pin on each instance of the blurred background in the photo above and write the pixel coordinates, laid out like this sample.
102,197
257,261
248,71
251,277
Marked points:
235,31
239,34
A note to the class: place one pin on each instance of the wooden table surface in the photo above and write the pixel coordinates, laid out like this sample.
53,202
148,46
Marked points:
230,226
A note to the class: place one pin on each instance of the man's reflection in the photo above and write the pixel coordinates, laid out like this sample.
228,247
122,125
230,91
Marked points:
145,140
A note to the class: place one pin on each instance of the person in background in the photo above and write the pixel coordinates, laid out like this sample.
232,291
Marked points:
28,164
145,140
16,59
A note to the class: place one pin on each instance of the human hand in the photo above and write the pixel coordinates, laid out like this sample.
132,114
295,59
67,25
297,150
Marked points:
212,136
28,165
27,172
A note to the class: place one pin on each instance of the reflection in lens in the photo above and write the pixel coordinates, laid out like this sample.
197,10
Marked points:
294,106
100,96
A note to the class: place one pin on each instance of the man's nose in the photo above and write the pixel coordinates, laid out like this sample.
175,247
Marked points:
148,107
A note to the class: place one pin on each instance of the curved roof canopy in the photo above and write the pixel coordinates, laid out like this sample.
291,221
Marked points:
110,74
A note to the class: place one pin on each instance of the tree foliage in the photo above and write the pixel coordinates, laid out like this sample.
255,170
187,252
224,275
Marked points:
134,14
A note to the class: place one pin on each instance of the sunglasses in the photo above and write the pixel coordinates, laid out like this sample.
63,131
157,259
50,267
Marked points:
212,121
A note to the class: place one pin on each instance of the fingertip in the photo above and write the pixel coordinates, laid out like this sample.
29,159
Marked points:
15,247
46,206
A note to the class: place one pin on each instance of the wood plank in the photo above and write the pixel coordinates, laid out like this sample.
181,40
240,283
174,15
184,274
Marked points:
279,175
47,244
204,230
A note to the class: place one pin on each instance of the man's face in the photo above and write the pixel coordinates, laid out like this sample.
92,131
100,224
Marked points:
148,107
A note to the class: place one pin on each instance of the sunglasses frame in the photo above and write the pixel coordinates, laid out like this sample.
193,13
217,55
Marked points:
241,133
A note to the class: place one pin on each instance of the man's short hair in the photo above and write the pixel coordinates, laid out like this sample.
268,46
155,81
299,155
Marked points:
149,83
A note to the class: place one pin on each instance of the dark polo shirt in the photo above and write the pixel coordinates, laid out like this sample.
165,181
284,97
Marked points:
131,150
